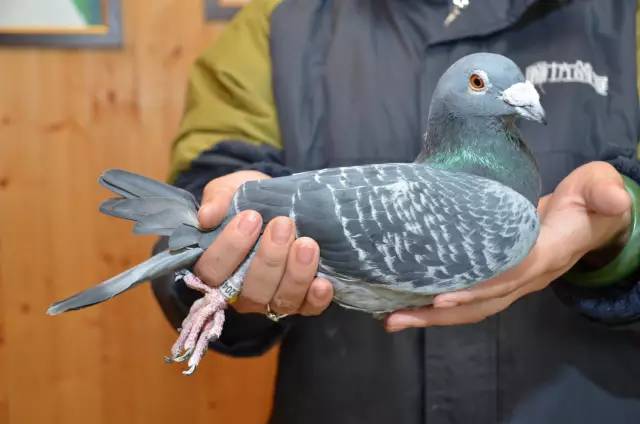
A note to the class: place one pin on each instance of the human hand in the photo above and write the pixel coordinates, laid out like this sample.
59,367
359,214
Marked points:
588,214
283,272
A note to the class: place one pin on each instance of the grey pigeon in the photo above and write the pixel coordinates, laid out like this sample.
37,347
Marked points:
392,235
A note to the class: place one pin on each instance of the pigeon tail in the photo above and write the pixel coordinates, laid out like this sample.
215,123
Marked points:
160,264
157,208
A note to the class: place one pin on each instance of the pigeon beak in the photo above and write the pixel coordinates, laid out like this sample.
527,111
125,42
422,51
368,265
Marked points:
525,99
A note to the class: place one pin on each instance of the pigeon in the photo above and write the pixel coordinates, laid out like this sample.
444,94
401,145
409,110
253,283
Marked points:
391,236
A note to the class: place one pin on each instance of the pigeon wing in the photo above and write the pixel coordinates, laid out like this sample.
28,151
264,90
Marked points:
408,227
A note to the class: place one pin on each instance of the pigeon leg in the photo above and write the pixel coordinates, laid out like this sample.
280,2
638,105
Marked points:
211,331
200,313
205,320
177,355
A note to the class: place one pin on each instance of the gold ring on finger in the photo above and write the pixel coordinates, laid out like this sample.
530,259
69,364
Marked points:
274,316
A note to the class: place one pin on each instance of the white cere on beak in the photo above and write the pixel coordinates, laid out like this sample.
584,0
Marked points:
521,94
524,97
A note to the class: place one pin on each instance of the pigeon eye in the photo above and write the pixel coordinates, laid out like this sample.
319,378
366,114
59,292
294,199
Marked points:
476,83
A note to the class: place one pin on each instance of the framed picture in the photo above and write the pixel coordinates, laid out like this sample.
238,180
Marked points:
61,23
222,10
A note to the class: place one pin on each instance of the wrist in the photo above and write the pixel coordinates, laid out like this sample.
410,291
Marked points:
619,257
612,247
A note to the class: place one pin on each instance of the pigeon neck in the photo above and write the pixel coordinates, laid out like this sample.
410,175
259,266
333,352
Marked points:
490,148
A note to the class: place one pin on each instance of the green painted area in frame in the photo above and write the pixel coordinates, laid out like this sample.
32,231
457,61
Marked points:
91,11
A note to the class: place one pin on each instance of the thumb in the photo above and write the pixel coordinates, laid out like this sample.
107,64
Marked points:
215,203
218,194
606,195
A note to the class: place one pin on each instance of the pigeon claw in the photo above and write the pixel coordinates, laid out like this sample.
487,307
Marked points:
184,356
202,325
190,370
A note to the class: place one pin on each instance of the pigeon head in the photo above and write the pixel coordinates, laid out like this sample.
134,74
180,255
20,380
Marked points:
472,122
487,85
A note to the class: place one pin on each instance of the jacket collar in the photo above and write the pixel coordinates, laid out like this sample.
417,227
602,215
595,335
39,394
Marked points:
479,18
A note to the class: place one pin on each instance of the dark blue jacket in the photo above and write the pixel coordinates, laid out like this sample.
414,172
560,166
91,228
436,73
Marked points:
350,83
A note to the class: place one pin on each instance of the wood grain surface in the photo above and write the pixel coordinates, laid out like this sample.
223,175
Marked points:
65,116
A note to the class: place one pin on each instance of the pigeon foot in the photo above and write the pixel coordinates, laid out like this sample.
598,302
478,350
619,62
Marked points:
202,325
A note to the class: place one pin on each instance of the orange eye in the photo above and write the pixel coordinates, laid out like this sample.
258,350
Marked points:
476,83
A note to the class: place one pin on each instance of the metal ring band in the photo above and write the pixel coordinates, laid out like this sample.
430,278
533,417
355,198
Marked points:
229,291
273,316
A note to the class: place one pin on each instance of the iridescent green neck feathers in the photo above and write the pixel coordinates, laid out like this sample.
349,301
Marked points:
491,148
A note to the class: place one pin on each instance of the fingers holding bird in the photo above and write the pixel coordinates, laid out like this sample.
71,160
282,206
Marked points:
218,193
228,251
282,274
302,266
464,313
267,267
457,315
318,297
285,282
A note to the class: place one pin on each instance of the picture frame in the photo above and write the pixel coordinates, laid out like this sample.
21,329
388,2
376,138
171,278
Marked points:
222,10
61,23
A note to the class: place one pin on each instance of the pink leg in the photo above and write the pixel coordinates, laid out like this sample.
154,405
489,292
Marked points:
202,325
212,331
199,321
195,283
177,354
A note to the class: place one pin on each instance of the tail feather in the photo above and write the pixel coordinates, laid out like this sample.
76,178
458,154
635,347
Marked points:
157,208
160,264
186,236
154,215
130,186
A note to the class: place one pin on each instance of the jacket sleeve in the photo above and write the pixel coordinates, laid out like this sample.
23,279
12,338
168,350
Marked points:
229,124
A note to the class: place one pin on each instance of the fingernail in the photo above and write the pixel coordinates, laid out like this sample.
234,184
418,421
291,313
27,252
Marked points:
248,223
319,291
305,254
281,231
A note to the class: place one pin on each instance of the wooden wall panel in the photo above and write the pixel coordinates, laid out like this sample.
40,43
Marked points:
64,117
